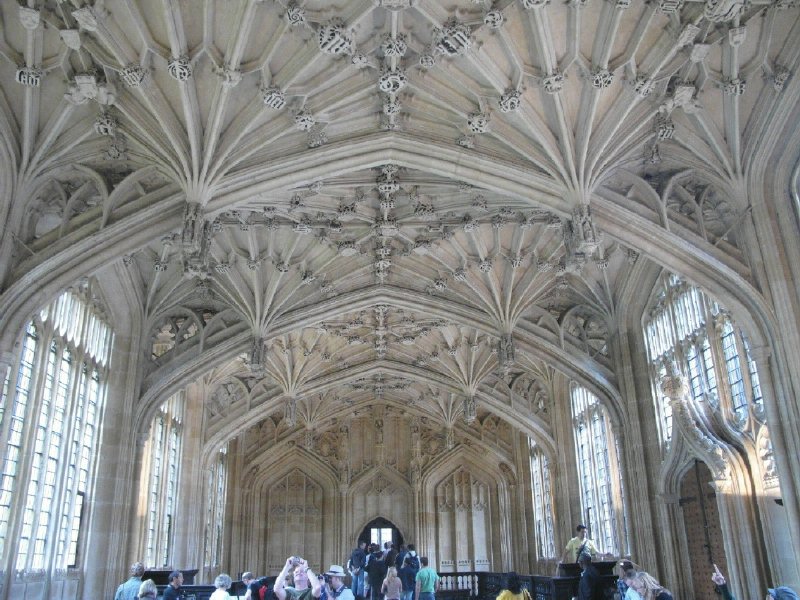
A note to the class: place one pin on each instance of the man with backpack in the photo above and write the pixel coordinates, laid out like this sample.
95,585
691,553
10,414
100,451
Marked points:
355,565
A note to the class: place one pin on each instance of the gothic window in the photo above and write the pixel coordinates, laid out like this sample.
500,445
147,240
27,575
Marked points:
597,453
53,398
706,346
163,451
215,513
542,503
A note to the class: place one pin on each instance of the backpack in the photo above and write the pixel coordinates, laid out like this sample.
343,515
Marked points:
262,592
413,562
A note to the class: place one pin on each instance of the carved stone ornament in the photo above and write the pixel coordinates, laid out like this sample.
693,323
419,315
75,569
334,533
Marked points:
230,77
510,101
273,98
29,17
531,4
133,75
665,128
494,19
394,46
304,120
86,18
392,81
391,106
105,124
333,39
29,76
643,86
688,34
553,83
734,87
359,60
505,351
779,78
720,11
602,78
295,15
470,410
180,68
426,61
737,36
670,7
453,39
395,4
254,361
317,136
478,122
466,141
290,412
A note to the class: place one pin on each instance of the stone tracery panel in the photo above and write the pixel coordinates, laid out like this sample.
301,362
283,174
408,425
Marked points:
294,517
463,522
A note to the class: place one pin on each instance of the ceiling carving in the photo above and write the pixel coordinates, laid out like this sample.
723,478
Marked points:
119,111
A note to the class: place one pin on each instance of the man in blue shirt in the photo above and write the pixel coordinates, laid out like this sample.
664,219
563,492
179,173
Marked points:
130,589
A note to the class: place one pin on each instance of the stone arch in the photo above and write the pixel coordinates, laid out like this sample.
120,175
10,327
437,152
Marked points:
378,492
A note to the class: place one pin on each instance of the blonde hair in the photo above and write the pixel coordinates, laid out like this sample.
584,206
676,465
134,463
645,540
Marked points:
650,584
148,588
391,573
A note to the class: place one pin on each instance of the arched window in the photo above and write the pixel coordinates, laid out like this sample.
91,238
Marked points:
215,513
50,412
688,329
161,471
599,472
542,503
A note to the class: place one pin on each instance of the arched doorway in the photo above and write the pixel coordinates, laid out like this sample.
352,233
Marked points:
381,530
703,531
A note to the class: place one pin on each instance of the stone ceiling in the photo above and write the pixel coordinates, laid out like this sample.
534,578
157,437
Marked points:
378,277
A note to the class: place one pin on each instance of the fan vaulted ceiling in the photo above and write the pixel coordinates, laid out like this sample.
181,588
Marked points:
333,202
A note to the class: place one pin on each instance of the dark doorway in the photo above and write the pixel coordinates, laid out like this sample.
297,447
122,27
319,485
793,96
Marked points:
381,530
703,532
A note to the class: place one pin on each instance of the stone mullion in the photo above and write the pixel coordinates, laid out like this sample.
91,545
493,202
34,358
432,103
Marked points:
27,443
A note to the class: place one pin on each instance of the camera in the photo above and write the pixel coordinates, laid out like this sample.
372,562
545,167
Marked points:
296,560
327,578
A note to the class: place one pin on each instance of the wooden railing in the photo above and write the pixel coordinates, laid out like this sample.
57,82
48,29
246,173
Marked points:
473,585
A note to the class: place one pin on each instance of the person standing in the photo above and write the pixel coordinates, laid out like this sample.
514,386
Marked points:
578,545
408,575
306,584
376,573
130,589
356,566
173,590
335,589
222,583
392,586
427,581
589,587
514,589
148,590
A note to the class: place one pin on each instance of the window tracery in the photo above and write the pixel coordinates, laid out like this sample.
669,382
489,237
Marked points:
542,502
215,512
161,472
53,398
690,330
598,457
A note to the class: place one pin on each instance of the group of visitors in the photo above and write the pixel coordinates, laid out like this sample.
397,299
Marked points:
135,588
632,582
389,574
